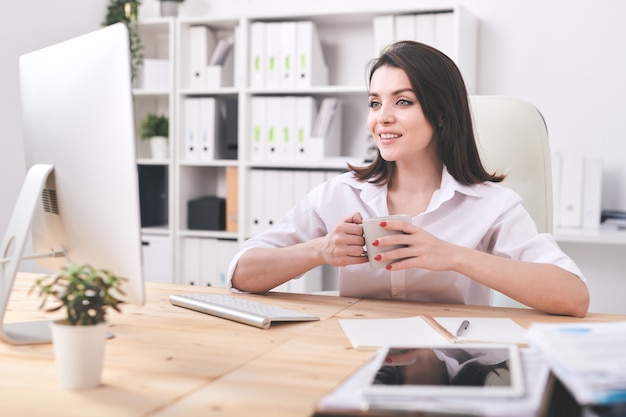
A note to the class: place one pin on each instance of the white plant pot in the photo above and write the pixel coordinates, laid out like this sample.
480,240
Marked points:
79,354
169,8
159,147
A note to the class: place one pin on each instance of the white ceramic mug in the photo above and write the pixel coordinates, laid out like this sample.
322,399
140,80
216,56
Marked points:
372,231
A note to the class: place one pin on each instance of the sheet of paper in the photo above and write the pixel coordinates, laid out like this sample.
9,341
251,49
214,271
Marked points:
373,333
415,331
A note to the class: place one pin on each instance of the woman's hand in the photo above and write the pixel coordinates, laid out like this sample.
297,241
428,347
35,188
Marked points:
423,250
344,244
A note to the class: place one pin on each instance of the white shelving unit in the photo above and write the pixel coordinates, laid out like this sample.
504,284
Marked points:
347,41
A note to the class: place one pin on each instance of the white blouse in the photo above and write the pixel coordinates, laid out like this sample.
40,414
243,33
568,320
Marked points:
487,217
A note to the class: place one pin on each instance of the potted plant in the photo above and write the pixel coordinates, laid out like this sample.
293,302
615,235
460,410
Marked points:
155,128
127,12
86,294
170,7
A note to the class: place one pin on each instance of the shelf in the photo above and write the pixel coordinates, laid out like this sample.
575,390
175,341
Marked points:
605,234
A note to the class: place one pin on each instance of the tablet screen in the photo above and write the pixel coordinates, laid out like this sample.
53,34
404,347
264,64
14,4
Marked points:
449,370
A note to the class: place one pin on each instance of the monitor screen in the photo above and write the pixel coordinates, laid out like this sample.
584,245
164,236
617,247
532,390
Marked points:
78,117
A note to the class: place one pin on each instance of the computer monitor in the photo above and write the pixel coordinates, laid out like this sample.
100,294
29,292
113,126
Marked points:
80,198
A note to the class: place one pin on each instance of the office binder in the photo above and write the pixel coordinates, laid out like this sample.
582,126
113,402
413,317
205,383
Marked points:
256,206
257,54
384,32
258,128
273,41
273,119
405,27
271,190
286,142
285,197
306,110
190,265
287,57
202,41
445,33
208,122
191,134
425,28
311,66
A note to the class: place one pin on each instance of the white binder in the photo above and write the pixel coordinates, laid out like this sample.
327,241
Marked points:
405,27
384,32
287,61
311,65
445,33
273,46
258,133
191,139
286,143
208,122
269,199
306,110
273,119
202,41
425,28
256,206
257,54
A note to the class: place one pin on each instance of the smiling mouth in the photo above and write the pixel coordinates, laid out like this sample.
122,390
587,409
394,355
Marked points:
388,136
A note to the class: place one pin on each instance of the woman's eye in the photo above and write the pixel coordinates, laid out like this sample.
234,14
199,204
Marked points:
404,102
374,104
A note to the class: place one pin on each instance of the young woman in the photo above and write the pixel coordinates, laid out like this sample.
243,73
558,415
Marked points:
468,234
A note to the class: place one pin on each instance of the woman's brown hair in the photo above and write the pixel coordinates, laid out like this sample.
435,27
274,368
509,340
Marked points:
440,90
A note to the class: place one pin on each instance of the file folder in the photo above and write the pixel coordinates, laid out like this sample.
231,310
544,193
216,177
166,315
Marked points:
257,54
208,122
384,32
312,68
425,28
256,206
258,134
286,143
202,41
306,110
287,61
273,43
405,27
191,134
273,119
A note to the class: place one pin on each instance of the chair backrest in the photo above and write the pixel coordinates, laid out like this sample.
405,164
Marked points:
513,140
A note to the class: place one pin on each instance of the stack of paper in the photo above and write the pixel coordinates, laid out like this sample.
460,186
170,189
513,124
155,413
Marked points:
588,358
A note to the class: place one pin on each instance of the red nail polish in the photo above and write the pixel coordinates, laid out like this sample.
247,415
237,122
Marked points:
383,224
388,267
375,243
377,257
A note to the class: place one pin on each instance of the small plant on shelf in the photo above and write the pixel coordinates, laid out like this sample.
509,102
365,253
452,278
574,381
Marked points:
127,12
86,293
154,125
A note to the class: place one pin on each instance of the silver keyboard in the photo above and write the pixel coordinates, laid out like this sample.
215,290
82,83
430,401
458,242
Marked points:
239,309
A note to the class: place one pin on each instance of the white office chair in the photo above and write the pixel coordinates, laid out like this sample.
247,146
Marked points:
513,140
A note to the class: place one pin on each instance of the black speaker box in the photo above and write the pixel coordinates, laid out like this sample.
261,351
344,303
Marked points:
206,213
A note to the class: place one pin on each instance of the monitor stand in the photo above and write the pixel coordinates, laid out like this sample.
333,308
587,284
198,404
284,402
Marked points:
11,251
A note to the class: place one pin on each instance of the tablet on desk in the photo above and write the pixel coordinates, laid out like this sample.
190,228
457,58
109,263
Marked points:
469,370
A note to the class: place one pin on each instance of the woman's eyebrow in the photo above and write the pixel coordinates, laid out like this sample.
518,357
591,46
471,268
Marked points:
394,93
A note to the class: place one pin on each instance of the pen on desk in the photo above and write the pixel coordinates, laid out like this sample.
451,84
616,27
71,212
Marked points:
462,327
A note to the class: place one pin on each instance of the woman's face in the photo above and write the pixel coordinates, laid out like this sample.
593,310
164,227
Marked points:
396,120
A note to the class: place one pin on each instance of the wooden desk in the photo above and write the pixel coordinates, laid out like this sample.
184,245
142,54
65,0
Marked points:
169,361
